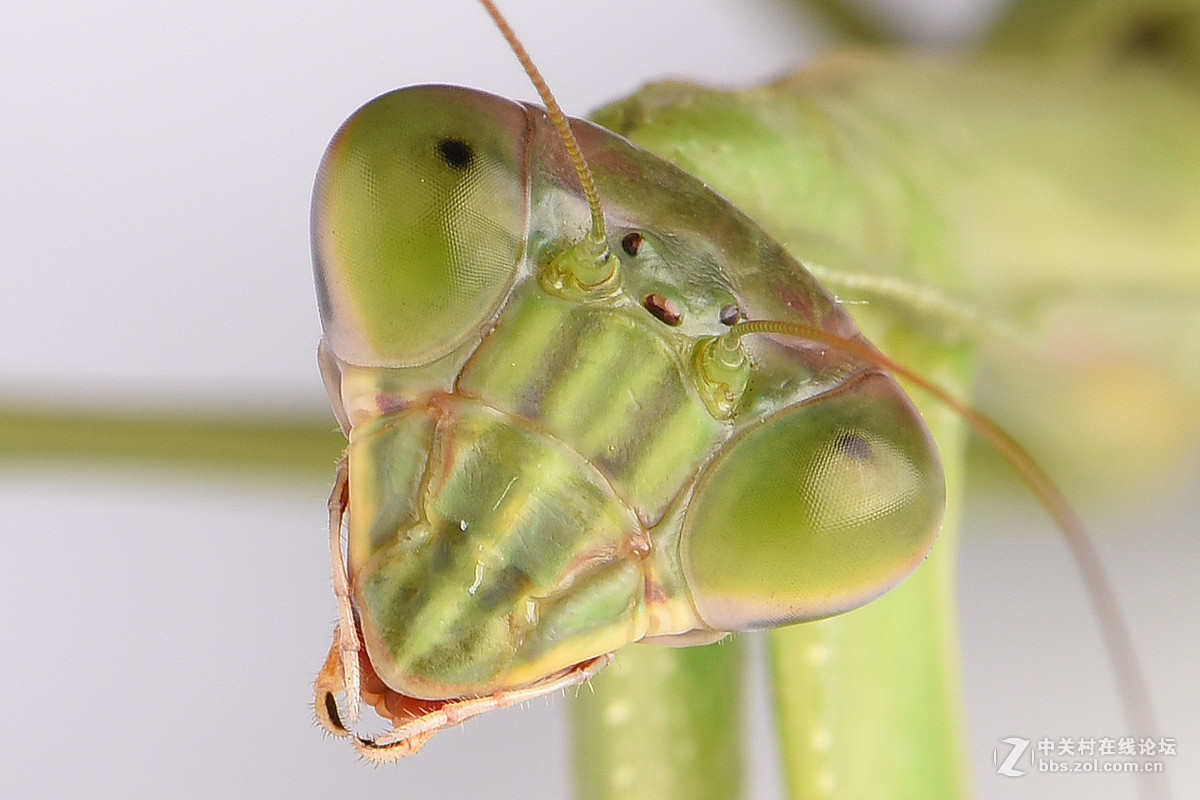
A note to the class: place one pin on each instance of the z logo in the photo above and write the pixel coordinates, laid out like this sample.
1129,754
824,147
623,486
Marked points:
1019,746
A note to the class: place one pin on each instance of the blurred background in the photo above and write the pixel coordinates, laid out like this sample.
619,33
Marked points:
163,625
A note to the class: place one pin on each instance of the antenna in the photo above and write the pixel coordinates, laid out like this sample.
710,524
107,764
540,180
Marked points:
559,120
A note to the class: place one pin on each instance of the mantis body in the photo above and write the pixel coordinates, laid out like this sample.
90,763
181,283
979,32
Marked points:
94,232
379,368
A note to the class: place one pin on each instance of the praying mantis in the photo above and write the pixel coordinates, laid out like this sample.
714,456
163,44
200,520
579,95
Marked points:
367,59
410,391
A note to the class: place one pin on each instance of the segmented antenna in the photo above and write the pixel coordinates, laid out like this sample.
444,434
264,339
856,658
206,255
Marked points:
558,119
1131,682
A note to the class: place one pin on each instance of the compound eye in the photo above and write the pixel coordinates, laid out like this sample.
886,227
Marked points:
821,508
418,223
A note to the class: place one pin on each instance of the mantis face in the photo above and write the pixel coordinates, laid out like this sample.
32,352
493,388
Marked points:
543,468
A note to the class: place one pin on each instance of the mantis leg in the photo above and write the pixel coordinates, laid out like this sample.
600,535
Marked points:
341,671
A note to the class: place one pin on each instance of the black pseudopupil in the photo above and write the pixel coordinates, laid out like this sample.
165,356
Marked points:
456,153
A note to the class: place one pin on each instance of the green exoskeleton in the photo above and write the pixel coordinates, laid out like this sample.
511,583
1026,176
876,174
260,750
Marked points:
545,465
562,440
580,416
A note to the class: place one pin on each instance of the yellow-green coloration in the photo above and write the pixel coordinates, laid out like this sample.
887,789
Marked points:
586,270
553,470
917,184
956,174
478,575
422,226
685,700
724,371
945,194
218,443
829,496
868,703
633,417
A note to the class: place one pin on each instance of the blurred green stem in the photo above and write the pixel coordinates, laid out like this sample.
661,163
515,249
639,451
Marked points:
661,723
289,445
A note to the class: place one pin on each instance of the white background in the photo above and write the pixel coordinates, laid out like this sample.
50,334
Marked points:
160,631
